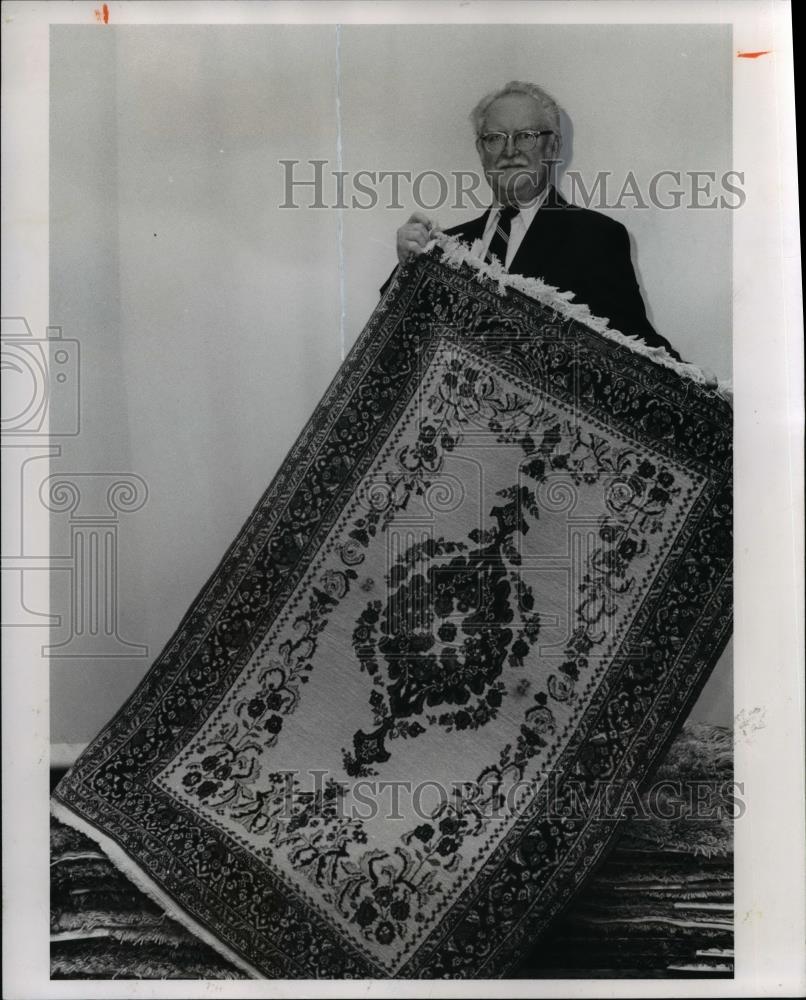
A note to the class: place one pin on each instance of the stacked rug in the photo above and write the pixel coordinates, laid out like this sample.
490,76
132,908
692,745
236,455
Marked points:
662,904
395,733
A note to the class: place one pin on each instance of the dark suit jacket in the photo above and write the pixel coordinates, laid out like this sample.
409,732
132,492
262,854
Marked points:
584,252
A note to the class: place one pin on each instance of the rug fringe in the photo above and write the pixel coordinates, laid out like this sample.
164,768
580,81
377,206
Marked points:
136,875
455,253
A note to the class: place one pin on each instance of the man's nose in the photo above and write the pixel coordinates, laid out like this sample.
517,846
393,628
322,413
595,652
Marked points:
510,152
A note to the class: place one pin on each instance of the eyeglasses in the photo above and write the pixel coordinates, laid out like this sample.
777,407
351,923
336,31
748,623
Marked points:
524,140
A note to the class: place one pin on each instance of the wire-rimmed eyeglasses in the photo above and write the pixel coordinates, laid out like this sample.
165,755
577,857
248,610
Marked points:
524,139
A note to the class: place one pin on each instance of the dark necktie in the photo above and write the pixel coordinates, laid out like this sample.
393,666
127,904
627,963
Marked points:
498,244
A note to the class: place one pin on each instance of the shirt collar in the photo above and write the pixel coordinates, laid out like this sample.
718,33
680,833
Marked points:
527,212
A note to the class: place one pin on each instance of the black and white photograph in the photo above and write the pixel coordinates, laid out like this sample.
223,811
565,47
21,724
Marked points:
402,544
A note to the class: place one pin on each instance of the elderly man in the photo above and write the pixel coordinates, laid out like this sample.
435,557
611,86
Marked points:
530,227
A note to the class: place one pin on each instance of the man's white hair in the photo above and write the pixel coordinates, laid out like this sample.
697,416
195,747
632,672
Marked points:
548,106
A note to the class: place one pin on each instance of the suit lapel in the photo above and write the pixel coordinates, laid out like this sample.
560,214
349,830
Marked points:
471,231
540,237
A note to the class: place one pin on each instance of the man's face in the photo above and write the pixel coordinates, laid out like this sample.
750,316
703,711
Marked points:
517,176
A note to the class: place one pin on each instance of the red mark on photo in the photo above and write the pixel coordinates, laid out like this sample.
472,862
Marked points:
752,55
102,14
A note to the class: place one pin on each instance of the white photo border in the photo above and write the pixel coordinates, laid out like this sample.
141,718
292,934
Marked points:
770,908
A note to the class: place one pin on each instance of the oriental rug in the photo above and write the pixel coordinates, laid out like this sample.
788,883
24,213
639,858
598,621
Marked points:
392,735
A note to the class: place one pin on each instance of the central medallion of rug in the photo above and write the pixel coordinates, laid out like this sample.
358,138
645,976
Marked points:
487,583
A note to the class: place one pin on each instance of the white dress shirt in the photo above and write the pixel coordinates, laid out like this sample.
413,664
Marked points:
520,223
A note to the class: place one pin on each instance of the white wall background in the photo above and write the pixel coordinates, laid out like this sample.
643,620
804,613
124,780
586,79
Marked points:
640,98
211,321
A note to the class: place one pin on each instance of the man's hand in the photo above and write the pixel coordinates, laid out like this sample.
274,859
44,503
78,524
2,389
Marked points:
413,236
